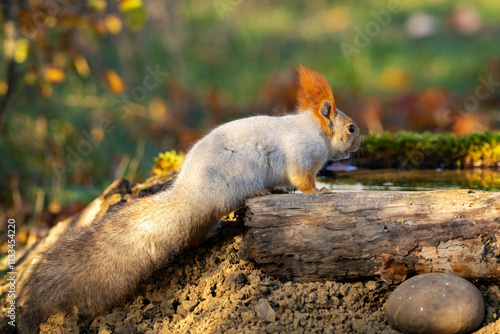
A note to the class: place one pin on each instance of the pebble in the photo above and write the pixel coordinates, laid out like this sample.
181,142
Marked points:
435,303
265,311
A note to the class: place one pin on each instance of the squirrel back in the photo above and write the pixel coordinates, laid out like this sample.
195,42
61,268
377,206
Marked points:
94,267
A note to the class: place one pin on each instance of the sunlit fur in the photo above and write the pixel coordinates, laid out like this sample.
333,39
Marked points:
95,266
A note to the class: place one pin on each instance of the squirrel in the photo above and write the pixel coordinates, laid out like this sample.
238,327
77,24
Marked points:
96,266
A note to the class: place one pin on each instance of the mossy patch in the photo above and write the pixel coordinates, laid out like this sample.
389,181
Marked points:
430,150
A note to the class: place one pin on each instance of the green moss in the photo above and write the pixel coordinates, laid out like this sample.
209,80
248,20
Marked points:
430,150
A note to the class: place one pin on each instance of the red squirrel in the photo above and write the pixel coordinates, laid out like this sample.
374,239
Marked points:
96,266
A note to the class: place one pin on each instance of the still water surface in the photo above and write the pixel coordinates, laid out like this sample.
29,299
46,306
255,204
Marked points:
414,180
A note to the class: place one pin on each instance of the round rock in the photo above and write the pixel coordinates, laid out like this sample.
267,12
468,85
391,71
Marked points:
435,303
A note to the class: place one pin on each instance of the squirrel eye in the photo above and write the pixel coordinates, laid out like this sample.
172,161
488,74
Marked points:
350,128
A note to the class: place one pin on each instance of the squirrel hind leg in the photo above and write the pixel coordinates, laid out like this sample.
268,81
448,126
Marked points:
208,228
205,231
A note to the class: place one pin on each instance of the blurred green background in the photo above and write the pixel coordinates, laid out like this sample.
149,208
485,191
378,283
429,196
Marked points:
92,90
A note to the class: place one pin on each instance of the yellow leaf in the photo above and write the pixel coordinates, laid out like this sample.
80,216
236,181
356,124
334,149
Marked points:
9,43
81,65
23,236
134,14
126,5
113,24
50,21
54,208
115,82
53,74
394,78
3,88
97,5
21,53
158,110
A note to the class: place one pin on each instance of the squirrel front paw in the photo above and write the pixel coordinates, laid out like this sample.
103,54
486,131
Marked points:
274,191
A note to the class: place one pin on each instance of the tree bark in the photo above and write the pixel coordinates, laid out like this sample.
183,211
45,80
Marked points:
355,235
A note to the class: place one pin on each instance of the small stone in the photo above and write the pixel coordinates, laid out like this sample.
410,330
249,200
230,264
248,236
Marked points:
149,307
371,285
435,303
247,317
104,329
265,311
114,318
126,330
133,318
167,307
189,305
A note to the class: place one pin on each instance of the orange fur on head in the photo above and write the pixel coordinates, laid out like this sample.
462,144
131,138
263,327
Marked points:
313,92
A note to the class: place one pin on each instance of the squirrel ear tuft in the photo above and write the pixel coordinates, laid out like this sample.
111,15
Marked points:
313,91
315,95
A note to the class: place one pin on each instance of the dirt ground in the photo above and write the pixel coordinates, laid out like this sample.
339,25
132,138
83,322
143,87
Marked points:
209,289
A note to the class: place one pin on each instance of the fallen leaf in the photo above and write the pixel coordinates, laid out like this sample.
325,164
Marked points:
81,65
115,82
54,75
113,24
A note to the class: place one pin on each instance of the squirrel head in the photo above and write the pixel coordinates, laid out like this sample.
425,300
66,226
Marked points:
315,96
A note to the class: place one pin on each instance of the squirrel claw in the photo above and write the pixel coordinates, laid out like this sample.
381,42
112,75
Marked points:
264,192
325,190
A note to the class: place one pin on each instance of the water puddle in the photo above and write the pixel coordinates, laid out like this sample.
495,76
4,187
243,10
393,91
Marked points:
413,180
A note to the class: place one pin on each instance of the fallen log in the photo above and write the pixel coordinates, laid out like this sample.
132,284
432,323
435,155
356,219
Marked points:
355,235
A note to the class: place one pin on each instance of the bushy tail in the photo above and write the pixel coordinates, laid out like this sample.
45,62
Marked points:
96,266
29,322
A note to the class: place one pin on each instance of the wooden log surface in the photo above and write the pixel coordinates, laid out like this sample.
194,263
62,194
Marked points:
354,235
